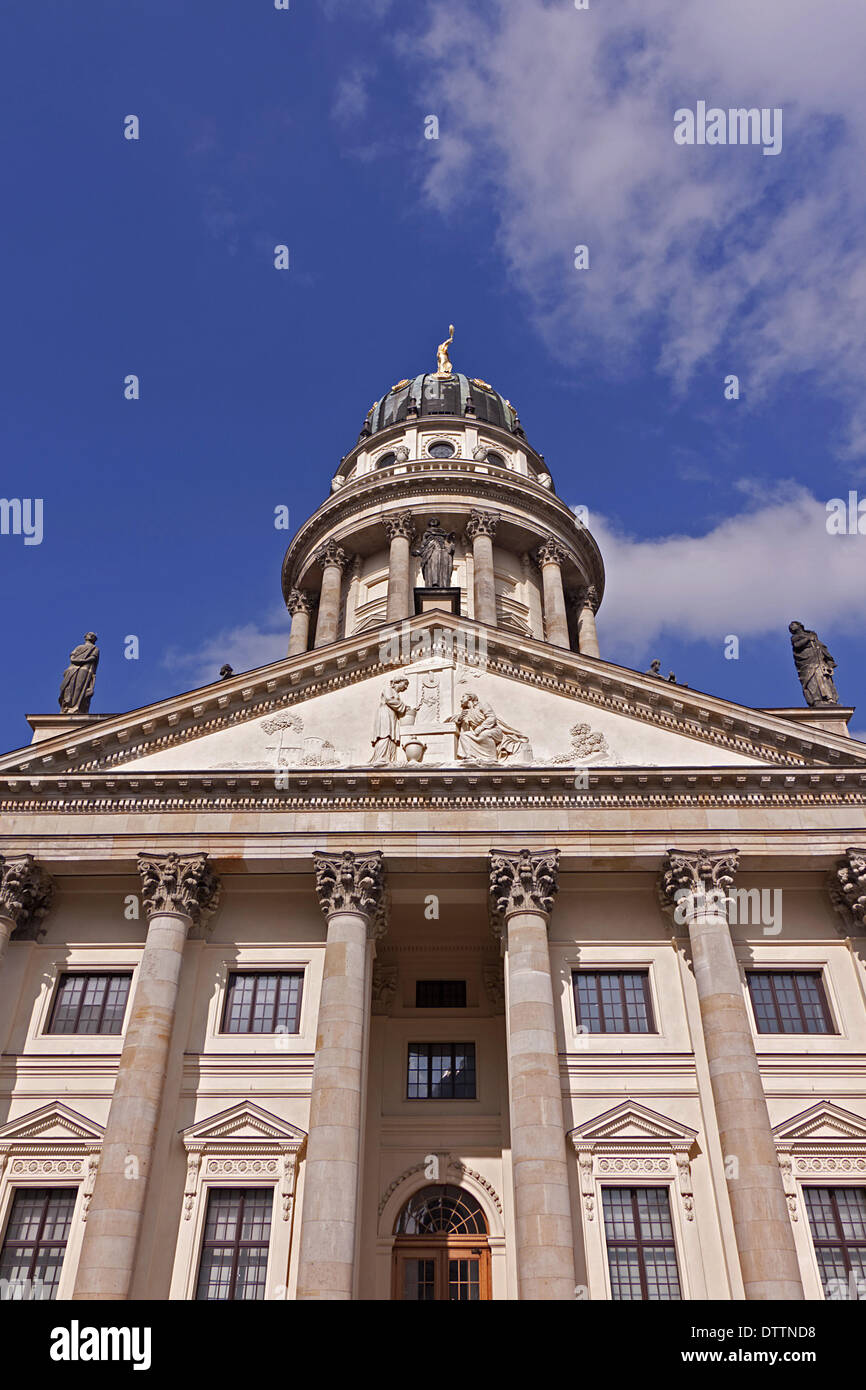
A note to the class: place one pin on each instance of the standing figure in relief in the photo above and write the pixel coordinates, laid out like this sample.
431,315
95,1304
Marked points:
386,730
483,738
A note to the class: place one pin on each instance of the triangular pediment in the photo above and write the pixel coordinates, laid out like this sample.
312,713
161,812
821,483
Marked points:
320,710
244,1122
631,1121
824,1121
54,1122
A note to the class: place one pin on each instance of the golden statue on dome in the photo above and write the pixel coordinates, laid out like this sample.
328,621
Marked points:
443,361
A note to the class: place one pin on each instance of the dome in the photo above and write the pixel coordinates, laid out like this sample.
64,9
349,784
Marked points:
442,394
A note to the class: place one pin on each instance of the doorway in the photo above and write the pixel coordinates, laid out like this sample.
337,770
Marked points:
441,1252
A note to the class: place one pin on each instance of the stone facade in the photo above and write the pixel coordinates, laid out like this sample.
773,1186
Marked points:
585,820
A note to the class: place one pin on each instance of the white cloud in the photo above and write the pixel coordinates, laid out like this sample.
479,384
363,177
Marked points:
752,574
244,648
718,258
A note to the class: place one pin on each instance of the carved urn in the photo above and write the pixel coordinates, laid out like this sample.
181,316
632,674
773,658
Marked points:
414,749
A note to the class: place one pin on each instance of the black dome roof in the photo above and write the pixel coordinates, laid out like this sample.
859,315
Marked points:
433,394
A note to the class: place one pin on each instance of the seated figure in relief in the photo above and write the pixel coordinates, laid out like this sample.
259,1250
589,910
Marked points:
483,737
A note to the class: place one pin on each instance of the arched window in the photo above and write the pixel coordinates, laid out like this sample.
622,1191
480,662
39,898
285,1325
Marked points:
496,459
441,1211
386,460
441,1252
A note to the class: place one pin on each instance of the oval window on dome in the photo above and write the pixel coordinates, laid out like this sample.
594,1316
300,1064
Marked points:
496,459
441,450
386,460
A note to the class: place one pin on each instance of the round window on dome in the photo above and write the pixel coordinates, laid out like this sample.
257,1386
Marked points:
386,460
441,450
495,459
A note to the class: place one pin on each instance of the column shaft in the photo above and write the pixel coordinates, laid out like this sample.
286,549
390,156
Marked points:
555,620
587,635
327,1255
762,1226
485,584
300,634
107,1259
7,927
398,579
329,605
545,1238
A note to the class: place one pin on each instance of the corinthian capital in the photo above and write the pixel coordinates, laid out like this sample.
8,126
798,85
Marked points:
332,554
481,524
695,873
587,597
523,881
847,885
350,882
399,525
182,883
300,601
551,552
26,892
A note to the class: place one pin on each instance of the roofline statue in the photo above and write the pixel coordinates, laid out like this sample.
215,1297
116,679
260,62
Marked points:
815,666
79,678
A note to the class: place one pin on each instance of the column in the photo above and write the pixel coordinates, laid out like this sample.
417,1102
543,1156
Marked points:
26,893
550,556
480,530
694,887
351,893
400,532
587,607
333,560
523,886
179,891
300,604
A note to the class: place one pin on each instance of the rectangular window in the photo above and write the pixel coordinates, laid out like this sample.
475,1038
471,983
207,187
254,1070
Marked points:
263,1001
440,994
35,1243
612,1001
90,1003
441,1071
837,1216
234,1256
789,1001
641,1254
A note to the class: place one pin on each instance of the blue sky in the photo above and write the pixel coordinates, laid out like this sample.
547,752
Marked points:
306,127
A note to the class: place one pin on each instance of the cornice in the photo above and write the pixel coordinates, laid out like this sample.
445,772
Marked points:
329,790
430,478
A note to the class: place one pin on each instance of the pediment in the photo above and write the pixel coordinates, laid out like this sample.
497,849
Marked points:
243,1123
320,710
631,1122
55,1122
822,1122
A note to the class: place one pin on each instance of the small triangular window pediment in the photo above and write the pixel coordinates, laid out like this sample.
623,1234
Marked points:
632,1123
823,1122
245,1123
54,1122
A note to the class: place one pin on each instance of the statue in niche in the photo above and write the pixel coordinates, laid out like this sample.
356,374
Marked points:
815,666
79,678
484,738
436,552
386,730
